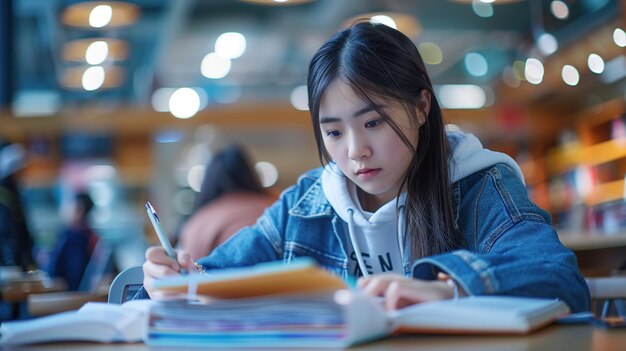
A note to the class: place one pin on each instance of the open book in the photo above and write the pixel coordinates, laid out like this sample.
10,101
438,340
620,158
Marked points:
95,321
276,305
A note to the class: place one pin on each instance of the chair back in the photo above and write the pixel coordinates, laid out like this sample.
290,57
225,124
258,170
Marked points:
126,284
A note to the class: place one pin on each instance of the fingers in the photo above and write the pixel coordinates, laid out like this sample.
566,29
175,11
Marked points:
159,265
402,294
399,291
157,271
377,285
184,259
157,255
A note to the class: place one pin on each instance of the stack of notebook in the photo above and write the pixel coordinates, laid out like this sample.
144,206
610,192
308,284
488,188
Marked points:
315,320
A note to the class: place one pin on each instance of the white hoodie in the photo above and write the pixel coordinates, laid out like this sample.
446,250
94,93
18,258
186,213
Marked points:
375,243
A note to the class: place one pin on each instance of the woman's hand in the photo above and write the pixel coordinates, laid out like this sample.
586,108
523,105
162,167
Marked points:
400,291
158,265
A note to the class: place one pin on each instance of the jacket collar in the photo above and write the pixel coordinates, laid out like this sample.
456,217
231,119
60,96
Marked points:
312,203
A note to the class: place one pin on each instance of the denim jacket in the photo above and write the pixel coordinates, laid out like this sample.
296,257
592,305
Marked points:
510,247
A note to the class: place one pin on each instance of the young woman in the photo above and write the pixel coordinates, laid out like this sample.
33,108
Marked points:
231,197
400,200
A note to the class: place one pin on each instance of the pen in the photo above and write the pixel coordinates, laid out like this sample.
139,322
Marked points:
169,250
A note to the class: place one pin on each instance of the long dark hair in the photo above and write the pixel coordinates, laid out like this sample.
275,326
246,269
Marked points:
229,171
376,60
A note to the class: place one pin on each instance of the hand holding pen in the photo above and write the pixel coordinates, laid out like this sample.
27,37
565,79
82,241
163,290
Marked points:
163,260
165,242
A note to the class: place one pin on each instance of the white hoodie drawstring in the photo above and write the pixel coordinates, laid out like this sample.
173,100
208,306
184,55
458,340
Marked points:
399,233
355,244
357,248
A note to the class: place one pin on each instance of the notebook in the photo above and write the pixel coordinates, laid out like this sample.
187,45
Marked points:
95,321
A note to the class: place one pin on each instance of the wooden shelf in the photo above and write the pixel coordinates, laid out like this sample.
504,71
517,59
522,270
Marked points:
603,152
568,157
606,192
564,158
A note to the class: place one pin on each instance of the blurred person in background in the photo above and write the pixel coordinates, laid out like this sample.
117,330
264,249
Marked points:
16,243
76,243
231,197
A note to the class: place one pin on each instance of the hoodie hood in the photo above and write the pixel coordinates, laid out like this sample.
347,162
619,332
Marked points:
342,195
370,233
469,156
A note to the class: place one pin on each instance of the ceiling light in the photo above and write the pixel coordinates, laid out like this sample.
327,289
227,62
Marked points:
230,45
595,63
100,14
619,37
386,20
92,77
215,66
184,103
406,24
559,9
461,96
570,75
519,67
36,103
431,53
268,173
547,44
82,50
476,64
97,52
533,71
300,98
482,9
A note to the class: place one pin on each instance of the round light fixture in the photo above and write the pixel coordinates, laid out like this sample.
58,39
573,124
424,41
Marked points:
92,77
100,14
79,50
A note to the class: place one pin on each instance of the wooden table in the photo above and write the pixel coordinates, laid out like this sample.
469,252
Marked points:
18,291
44,304
557,337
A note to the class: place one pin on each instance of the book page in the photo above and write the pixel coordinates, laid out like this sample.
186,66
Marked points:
99,322
479,314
